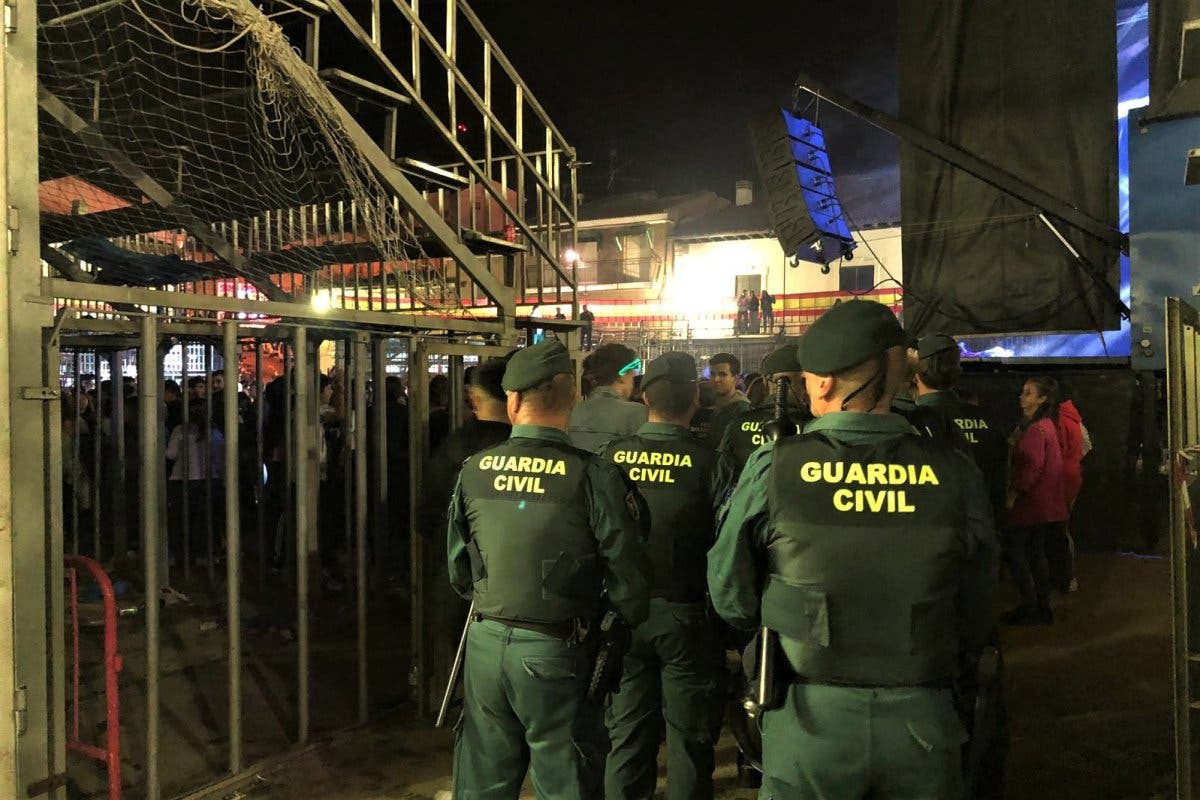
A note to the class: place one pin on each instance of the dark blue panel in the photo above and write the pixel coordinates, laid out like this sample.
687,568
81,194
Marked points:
817,186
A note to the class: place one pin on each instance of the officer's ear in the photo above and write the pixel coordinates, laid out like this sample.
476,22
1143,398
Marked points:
512,405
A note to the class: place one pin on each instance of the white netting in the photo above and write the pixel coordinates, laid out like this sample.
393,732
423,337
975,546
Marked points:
209,99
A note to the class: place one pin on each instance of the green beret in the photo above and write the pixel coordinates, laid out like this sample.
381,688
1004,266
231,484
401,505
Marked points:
785,359
848,334
536,364
934,343
676,366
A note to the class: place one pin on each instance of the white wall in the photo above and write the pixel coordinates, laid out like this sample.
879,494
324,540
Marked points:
705,273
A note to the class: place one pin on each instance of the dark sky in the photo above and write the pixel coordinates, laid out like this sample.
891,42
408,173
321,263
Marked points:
671,85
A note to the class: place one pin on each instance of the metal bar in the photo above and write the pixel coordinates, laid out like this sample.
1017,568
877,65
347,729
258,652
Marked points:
185,463
260,492
359,431
157,193
380,435
207,453
416,47
233,547
97,436
69,290
300,423
120,532
76,473
451,52
149,386
968,162
418,442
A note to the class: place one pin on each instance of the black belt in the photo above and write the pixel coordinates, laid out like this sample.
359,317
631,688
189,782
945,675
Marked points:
559,630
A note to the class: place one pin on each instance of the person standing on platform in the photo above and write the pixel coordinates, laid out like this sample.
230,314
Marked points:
585,333
745,432
606,413
870,556
487,427
729,400
742,323
767,302
752,312
671,671
537,530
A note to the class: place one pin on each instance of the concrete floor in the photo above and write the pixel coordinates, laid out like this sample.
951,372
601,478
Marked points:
1089,698
1090,704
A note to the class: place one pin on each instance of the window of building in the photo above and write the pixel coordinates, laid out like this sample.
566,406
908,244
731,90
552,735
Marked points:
857,278
742,283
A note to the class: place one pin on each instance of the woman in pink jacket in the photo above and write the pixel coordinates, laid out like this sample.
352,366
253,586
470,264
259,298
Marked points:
1036,500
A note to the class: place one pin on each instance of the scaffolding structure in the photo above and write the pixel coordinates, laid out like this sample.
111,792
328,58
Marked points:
454,195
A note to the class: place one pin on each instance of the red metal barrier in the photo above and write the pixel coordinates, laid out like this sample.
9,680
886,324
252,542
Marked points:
110,754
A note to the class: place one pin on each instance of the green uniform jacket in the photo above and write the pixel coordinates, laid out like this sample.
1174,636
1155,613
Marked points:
612,508
736,561
602,417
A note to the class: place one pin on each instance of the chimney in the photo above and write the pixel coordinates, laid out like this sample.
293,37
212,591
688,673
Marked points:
743,193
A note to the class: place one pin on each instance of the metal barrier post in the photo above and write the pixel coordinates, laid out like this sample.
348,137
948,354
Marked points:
150,386
233,545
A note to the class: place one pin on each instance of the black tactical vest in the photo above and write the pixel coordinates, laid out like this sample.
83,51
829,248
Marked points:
532,550
972,430
745,434
675,478
864,557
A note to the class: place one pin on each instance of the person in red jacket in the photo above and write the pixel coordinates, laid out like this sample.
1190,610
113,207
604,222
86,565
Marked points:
1036,500
1060,549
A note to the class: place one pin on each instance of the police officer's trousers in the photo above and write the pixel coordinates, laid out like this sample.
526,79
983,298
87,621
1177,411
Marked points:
670,676
525,709
839,743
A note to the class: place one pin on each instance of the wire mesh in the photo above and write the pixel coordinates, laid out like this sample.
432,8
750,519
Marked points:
188,145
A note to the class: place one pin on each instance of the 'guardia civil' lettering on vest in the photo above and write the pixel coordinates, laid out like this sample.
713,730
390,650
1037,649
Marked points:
969,425
533,466
652,467
890,501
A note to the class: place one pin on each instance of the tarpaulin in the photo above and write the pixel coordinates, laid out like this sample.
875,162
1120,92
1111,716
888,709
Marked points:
1030,86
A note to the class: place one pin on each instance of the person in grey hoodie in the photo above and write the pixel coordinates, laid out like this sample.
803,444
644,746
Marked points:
606,413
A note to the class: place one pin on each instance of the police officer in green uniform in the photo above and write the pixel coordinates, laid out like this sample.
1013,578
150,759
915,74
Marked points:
745,433
872,555
671,670
537,528
943,414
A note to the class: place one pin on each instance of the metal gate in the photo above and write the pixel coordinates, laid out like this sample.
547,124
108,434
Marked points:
1183,437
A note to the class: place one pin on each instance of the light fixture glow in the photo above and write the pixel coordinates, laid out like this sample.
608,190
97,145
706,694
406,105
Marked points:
571,255
321,301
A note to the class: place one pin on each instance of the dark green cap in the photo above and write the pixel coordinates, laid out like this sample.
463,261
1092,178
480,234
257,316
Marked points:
848,334
678,367
785,359
536,364
934,343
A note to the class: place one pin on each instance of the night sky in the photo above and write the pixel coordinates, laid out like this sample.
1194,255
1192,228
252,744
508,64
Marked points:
671,86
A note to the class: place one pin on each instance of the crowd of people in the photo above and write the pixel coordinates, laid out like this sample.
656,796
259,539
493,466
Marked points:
755,312
849,500
848,497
